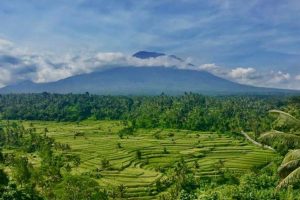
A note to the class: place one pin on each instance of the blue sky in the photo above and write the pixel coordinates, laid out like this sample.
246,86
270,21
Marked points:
251,42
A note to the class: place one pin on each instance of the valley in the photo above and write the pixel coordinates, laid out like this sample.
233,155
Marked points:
160,150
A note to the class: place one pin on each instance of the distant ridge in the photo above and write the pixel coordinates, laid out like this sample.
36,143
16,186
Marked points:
132,80
141,81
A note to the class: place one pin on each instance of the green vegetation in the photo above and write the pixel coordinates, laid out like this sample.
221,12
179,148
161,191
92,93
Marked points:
190,111
141,166
285,137
187,147
33,166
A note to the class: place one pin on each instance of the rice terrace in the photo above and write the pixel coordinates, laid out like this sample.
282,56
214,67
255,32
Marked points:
205,153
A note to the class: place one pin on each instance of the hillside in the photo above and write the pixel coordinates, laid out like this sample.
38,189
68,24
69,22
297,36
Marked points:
140,81
159,150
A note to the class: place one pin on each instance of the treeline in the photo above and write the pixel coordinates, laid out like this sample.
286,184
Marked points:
189,111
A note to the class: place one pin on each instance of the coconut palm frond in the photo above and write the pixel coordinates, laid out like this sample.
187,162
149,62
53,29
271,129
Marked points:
286,168
285,119
291,155
270,136
280,137
297,133
289,169
284,115
291,179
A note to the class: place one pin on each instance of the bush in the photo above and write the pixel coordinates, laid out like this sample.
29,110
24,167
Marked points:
138,154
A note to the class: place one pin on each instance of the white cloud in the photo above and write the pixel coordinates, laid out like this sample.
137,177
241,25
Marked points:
5,44
242,73
250,76
209,67
279,77
214,69
109,57
19,64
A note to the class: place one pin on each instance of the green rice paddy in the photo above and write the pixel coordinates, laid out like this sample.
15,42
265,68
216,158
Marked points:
159,149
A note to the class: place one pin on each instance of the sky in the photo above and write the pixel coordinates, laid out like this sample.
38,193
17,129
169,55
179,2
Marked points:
251,42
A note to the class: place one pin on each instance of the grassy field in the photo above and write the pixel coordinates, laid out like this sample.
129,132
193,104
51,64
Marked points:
159,149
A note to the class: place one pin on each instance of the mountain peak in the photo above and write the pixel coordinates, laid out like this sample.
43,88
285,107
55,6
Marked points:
147,54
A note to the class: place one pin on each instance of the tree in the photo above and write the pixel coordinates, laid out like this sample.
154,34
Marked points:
121,189
196,164
119,146
289,170
184,195
11,192
76,160
3,178
158,185
188,111
22,170
80,187
139,154
105,163
165,151
1,156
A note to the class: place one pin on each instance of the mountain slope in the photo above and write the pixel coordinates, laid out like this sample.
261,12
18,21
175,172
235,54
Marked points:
141,81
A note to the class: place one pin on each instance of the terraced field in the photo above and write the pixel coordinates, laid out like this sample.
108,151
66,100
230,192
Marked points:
98,141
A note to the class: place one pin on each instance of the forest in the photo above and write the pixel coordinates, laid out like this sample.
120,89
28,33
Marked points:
189,111
163,147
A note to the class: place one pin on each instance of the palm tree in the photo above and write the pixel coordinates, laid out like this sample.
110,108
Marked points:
278,139
285,120
289,170
121,189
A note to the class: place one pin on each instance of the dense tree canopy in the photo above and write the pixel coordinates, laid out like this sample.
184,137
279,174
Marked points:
190,111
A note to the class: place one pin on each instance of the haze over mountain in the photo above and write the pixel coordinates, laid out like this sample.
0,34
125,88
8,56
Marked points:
143,80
